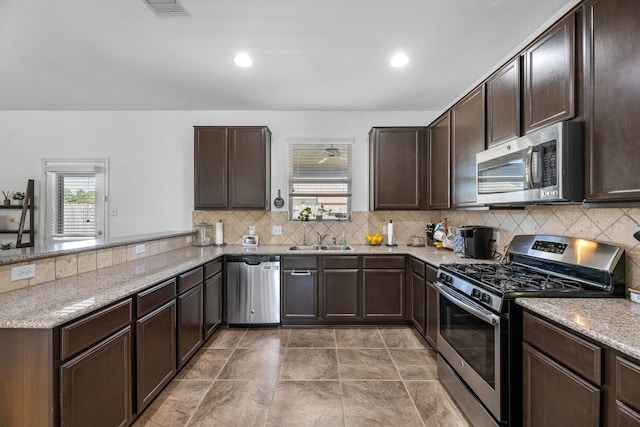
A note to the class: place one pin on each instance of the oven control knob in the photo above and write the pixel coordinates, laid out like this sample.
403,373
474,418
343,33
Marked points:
475,293
486,298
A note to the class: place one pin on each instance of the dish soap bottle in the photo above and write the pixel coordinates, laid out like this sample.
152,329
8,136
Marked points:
343,240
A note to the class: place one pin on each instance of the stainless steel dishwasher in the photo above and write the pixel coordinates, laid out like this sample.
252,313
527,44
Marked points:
253,290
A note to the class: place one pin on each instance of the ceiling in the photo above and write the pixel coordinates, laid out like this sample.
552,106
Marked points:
307,54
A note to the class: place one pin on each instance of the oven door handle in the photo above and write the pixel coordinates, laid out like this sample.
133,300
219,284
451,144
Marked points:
468,305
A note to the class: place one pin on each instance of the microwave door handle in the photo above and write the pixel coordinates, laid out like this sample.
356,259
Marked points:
528,167
479,312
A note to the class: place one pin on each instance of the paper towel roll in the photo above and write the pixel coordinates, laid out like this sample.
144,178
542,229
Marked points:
219,233
390,233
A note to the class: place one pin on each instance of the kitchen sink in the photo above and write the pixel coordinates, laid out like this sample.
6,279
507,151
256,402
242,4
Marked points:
320,248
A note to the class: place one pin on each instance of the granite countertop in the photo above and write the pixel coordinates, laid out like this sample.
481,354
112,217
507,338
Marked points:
610,321
53,303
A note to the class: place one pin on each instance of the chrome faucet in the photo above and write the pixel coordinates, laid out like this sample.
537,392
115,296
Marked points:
321,237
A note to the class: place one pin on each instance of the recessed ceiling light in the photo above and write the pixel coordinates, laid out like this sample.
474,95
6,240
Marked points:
399,60
243,60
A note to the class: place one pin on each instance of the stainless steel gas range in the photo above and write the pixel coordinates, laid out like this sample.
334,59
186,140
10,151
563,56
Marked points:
480,326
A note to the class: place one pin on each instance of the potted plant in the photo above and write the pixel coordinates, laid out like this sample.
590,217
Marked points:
304,214
18,198
7,197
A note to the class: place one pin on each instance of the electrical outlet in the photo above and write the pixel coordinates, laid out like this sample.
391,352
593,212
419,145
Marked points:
189,239
277,230
140,248
23,272
113,211
385,229
252,229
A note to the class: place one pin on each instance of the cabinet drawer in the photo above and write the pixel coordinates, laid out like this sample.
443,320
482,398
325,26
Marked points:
417,267
300,263
153,298
212,268
189,279
383,261
626,416
340,262
572,351
83,333
432,274
628,382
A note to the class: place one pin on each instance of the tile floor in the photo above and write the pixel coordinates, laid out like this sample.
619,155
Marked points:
307,377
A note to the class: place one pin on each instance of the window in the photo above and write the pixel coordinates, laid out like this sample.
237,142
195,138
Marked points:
320,179
75,200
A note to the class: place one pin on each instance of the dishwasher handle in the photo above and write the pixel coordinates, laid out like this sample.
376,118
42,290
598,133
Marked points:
301,273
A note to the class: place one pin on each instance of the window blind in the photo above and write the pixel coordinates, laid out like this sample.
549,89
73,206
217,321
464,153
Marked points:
319,170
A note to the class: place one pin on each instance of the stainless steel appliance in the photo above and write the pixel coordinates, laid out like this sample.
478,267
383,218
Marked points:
253,290
480,326
476,241
543,166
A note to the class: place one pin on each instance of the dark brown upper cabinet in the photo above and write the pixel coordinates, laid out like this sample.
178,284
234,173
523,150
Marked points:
439,158
232,167
611,88
549,77
397,168
467,139
503,104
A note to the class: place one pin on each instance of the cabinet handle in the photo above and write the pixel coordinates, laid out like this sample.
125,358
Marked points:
301,273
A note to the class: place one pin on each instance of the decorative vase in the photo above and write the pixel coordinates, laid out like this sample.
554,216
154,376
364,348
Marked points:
7,202
16,202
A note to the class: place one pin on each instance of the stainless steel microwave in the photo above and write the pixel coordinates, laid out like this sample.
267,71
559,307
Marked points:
543,166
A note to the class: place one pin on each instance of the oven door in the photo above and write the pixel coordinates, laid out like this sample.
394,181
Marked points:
469,339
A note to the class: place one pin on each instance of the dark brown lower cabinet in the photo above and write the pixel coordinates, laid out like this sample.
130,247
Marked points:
418,301
212,304
383,294
431,333
190,323
156,352
95,386
340,291
300,295
555,396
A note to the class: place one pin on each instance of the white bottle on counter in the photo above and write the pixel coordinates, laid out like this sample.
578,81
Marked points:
390,233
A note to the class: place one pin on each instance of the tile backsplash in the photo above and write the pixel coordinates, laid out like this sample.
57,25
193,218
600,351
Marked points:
614,225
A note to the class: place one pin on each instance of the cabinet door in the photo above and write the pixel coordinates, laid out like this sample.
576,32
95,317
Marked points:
503,104
467,139
397,175
155,352
549,77
340,290
249,168
439,161
432,315
383,294
190,324
300,295
553,395
612,129
212,304
96,385
210,168
418,302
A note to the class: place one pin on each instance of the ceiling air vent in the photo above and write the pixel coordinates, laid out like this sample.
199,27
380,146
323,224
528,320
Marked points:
166,7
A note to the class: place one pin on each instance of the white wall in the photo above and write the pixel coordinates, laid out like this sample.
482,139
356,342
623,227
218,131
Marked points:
151,153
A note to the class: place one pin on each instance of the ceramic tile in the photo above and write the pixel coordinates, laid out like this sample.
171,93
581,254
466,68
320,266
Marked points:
366,364
66,266
415,364
119,255
175,405
302,403
249,364
312,338
225,338
206,364
434,405
265,338
104,258
45,271
368,403
359,338
87,261
402,338
235,403
309,364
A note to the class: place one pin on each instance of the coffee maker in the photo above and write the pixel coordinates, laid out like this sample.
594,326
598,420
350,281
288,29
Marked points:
476,241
